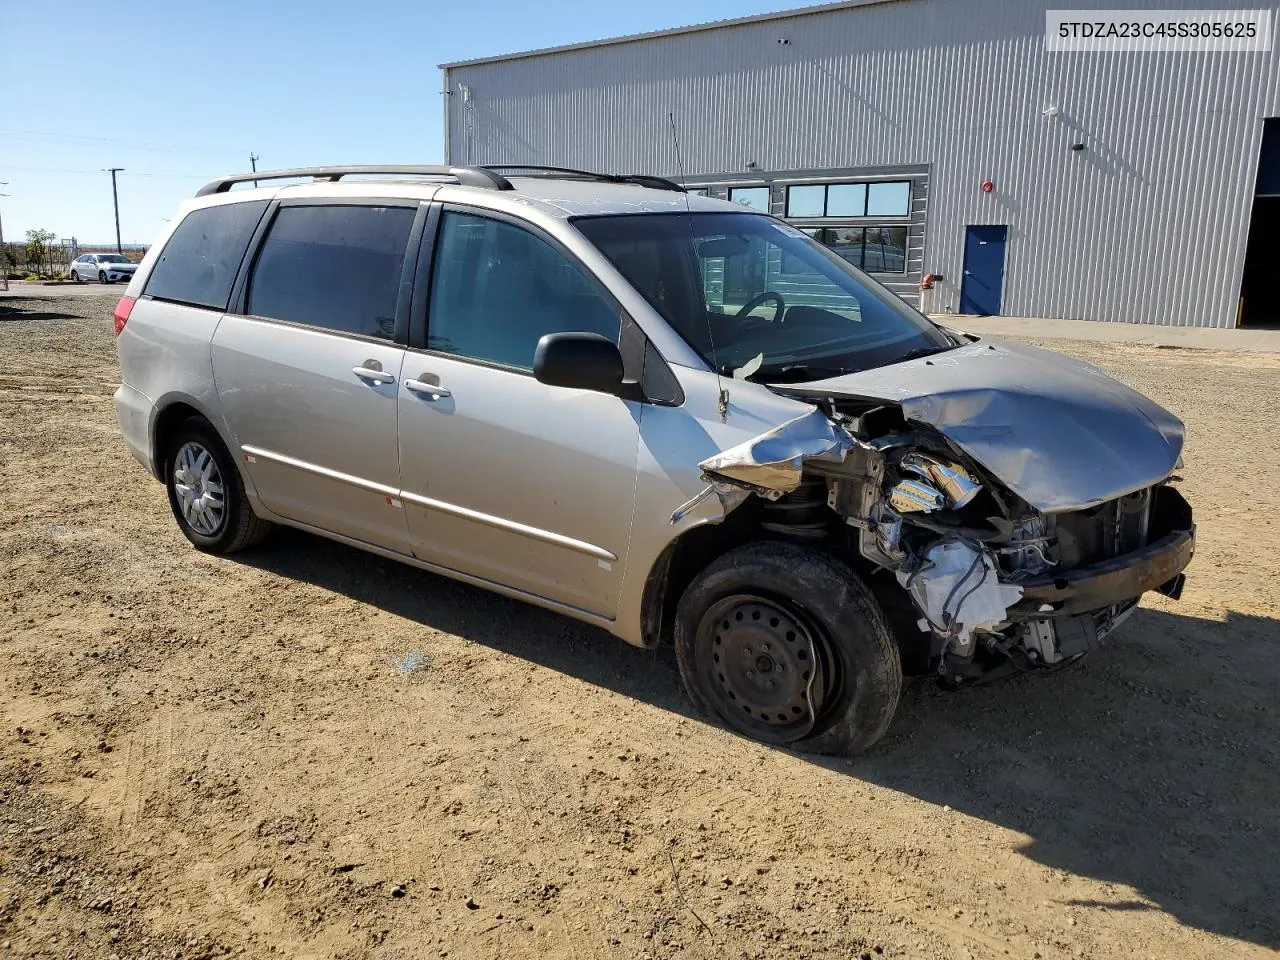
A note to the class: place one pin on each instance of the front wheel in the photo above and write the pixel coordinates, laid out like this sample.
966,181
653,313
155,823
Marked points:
102,276
206,494
787,645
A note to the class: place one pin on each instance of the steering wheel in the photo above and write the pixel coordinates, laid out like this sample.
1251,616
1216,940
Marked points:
779,309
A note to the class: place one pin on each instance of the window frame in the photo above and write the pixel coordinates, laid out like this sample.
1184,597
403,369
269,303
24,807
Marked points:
238,303
862,218
819,230
631,339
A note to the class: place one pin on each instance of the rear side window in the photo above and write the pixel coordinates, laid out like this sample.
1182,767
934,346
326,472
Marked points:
199,263
333,266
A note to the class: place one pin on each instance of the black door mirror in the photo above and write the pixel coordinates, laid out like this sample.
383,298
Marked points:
586,361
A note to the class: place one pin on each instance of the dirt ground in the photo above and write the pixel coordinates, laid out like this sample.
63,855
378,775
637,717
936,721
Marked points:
310,752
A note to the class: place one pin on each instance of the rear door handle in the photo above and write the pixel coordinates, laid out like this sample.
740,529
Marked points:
428,391
377,376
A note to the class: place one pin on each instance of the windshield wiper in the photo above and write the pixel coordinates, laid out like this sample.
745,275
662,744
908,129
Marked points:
916,352
796,372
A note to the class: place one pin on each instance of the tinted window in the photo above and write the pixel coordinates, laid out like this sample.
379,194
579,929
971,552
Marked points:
199,263
333,266
498,289
874,249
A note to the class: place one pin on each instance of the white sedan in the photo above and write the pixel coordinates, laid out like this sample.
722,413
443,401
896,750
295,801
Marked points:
106,267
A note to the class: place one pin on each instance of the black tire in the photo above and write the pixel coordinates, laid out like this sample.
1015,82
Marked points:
795,594
239,526
102,276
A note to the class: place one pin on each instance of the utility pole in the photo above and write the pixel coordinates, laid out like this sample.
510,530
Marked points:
253,162
115,200
4,266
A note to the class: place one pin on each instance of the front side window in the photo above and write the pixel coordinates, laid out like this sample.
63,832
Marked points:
746,290
498,289
331,266
199,263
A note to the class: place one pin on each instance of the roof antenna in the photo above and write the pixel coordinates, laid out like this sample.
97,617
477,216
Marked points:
723,404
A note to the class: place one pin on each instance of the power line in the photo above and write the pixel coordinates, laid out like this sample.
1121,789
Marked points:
138,145
180,176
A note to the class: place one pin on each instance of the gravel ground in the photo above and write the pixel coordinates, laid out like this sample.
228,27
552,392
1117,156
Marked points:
310,752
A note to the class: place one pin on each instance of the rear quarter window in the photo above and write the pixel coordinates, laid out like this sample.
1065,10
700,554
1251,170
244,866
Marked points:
198,265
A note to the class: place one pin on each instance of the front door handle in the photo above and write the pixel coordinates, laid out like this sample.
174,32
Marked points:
428,391
377,376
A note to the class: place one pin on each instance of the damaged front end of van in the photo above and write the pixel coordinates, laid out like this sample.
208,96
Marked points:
1021,501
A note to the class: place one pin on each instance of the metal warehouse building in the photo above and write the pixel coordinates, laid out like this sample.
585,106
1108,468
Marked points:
939,137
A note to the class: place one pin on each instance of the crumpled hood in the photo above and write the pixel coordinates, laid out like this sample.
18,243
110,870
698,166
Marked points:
1057,431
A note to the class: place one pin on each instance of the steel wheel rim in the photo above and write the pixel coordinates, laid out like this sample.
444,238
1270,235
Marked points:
198,487
768,669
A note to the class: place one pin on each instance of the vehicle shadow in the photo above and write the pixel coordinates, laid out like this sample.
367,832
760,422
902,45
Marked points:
1154,765
30,309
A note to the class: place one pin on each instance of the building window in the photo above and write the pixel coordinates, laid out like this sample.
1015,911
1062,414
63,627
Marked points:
757,198
890,198
873,249
846,200
807,201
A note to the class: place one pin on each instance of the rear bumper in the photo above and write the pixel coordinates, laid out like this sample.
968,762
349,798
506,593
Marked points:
133,413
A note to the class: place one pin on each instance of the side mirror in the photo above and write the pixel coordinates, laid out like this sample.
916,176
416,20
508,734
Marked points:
585,361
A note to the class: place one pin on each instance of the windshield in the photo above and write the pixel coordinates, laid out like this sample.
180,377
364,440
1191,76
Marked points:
756,297
112,258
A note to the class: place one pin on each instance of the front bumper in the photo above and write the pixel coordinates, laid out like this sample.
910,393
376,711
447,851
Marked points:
1157,566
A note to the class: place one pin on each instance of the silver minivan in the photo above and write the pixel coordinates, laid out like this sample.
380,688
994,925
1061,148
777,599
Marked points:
667,415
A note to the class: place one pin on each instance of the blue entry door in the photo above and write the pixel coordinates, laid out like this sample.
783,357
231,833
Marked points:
983,270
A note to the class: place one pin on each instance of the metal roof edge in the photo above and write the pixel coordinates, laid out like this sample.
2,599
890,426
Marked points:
669,32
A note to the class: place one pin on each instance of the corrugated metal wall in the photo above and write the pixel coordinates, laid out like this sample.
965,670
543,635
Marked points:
1148,223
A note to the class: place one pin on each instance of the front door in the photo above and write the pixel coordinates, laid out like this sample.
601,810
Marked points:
308,377
983,270
505,478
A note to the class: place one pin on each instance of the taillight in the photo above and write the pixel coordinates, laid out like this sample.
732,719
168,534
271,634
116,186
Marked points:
123,309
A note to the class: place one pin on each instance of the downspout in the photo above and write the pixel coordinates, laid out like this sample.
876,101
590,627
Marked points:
444,97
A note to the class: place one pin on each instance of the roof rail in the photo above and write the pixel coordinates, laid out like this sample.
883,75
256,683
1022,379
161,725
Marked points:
639,179
467,176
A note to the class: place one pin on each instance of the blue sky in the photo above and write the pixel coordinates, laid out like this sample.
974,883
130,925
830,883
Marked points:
177,93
